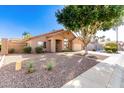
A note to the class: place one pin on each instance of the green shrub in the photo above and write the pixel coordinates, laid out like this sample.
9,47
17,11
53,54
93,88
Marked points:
0,47
39,49
12,50
27,49
49,66
111,47
94,50
30,68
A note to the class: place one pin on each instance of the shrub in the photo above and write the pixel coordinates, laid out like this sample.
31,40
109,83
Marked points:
27,49
111,47
0,47
39,49
12,50
30,68
49,66
94,50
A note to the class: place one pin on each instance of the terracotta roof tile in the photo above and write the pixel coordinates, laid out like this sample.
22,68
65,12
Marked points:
47,34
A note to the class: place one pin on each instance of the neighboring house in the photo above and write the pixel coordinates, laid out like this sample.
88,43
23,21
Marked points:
55,41
94,45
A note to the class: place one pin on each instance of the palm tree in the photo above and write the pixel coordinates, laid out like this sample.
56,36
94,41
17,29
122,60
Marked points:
26,35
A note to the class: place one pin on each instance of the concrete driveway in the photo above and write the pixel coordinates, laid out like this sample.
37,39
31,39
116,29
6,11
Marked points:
107,74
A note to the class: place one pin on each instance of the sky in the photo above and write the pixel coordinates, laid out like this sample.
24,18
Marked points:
111,34
14,20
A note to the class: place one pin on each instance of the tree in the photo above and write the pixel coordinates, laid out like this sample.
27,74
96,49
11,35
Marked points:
26,35
86,20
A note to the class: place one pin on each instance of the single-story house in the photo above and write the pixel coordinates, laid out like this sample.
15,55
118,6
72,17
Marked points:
54,41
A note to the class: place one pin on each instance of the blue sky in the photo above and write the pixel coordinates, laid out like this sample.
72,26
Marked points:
14,20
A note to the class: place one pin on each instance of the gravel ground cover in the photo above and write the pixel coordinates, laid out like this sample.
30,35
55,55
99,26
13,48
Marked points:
66,67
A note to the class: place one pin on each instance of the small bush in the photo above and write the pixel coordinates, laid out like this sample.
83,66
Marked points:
94,50
12,50
111,47
30,68
0,47
39,49
49,66
27,49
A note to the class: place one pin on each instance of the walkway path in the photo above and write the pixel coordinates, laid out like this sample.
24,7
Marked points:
0,57
2,60
108,73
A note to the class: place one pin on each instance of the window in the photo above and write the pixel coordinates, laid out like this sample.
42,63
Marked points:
65,43
44,44
39,43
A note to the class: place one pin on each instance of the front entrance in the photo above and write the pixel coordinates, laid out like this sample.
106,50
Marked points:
49,46
58,45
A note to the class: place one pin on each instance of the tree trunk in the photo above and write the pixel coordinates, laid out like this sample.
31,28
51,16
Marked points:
85,51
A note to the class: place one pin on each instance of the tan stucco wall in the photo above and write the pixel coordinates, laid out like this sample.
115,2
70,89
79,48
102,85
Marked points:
17,45
74,43
68,35
4,46
51,46
53,42
34,42
77,44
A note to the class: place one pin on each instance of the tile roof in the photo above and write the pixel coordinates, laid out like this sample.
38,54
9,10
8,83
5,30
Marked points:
47,34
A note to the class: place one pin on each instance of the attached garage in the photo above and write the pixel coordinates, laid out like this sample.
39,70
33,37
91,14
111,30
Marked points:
77,44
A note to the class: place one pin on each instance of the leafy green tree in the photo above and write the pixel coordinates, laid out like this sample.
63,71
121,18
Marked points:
86,20
26,35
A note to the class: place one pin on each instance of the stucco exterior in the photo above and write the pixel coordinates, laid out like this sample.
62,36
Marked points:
4,47
77,44
17,45
55,41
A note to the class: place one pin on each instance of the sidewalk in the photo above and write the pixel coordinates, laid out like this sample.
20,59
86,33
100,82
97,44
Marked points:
1,60
106,74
